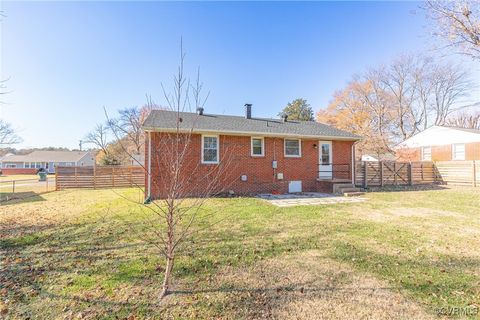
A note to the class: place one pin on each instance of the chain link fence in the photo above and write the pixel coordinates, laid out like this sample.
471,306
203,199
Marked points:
24,188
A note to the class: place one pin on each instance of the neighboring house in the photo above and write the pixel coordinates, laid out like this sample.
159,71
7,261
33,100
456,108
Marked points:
48,160
270,155
367,157
440,143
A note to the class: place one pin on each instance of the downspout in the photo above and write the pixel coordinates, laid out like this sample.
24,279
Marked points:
353,161
149,170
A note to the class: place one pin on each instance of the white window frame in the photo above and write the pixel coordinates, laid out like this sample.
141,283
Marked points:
292,155
263,147
218,148
423,154
454,149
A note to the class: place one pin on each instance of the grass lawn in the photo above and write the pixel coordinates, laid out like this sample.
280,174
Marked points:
70,255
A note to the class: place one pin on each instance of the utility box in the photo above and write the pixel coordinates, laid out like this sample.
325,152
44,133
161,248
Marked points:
244,177
274,164
280,176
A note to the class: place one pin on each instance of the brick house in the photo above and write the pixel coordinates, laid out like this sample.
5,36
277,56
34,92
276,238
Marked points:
441,143
266,155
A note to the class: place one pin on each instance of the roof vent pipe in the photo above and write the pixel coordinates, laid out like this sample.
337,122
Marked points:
200,111
284,117
248,110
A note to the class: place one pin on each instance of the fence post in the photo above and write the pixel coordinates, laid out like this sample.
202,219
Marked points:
13,186
395,173
365,173
381,173
113,177
76,183
410,174
131,176
474,173
94,176
56,180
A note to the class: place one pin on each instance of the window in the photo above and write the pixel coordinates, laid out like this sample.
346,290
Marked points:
10,165
293,148
458,151
209,149
27,165
258,147
325,154
427,153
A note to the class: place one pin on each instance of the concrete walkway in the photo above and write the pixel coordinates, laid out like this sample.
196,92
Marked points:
307,199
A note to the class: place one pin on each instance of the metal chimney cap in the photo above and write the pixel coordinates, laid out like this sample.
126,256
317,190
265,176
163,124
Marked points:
248,110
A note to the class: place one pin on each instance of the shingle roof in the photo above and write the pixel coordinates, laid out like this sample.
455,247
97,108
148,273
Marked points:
46,156
463,129
162,120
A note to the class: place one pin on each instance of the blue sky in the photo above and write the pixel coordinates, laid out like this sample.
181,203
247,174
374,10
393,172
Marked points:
67,60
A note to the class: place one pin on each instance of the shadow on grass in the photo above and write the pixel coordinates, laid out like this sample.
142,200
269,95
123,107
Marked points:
8,198
419,187
445,279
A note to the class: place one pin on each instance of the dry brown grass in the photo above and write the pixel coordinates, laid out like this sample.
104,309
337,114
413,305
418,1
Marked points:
311,286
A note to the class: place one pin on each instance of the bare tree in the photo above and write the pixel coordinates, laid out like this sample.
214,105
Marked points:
178,179
451,84
129,124
457,23
469,120
390,103
99,137
7,134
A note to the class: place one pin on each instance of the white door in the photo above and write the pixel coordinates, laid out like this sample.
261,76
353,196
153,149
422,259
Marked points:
325,160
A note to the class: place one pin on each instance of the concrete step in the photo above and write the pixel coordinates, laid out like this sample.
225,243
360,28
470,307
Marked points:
338,186
353,194
345,190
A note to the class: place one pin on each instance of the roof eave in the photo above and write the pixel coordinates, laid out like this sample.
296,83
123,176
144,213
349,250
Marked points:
251,133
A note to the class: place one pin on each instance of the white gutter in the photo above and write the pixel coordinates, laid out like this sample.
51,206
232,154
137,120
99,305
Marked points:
252,133
149,181
353,162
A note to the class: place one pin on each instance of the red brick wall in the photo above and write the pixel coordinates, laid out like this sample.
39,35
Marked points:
11,171
235,150
440,153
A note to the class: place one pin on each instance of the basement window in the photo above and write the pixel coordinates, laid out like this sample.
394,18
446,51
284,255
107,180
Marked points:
210,149
293,148
427,154
458,151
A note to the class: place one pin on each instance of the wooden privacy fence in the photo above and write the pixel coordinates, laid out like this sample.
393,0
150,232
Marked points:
466,173
381,173
98,177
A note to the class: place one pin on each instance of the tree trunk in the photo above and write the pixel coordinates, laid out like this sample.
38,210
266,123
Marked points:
167,277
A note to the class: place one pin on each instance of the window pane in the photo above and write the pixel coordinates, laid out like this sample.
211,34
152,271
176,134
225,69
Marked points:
459,151
210,155
292,147
325,154
257,146
427,153
210,145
